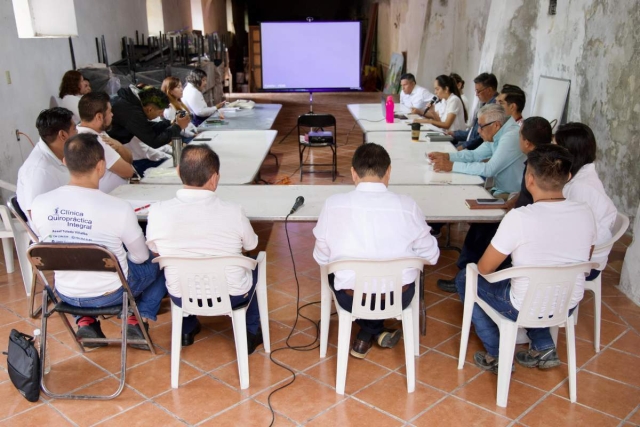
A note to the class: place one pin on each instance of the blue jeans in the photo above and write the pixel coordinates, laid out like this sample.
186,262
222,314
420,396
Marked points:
497,296
190,322
147,283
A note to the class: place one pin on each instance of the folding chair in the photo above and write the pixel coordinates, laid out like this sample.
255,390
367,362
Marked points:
318,121
83,257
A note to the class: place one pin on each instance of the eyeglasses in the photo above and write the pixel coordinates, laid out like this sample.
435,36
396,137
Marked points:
478,92
480,127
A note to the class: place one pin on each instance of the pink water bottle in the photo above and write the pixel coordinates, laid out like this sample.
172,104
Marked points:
389,106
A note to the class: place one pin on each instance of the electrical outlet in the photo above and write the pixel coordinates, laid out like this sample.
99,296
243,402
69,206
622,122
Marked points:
18,134
8,76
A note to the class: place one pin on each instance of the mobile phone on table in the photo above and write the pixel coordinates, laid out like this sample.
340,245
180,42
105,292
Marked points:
490,201
201,139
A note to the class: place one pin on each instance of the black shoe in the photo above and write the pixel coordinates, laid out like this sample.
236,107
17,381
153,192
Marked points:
389,338
253,341
545,359
488,363
447,285
91,330
188,339
134,332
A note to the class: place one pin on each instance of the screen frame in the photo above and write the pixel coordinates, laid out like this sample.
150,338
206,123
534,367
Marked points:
320,89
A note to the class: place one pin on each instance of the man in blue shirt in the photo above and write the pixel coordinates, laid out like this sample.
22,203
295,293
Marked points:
486,86
502,147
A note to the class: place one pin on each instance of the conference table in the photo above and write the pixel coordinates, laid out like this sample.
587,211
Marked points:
371,120
409,163
260,117
241,154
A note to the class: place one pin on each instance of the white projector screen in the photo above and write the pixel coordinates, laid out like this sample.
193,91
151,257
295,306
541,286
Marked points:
310,56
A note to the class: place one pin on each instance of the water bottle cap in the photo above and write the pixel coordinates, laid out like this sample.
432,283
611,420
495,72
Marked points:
36,332
389,98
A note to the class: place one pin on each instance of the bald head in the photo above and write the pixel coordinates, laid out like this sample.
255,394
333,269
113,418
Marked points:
198,164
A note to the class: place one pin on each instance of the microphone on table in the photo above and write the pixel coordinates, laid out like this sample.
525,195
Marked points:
299,202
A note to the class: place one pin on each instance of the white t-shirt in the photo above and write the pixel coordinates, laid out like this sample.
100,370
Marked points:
70,102
110,181
454,106
586,187
198,223
40,173
75,214
418,98
546,233
194,100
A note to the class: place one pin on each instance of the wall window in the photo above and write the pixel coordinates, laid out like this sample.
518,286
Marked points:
45,18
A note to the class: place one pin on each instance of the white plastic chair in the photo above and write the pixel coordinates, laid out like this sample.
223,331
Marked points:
595,285
6,234
203,285
380,277
546,305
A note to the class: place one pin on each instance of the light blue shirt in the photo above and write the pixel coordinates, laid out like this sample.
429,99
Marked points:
506,160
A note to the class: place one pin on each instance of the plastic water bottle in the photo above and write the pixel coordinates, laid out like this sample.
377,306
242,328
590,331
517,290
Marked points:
389,106
37,336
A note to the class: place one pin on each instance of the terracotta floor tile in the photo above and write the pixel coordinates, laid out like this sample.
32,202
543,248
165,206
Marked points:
442,371
12,292
7,317
41,416
454,412
287,315
154,377
437,332
584,350
12,402
109,357
278,299
147,414
304,409
390,358
210,353
629,342
193,401
545,380
615,364
90,412
452,346
308,286
448,310
608,330
360,373
300,360
352,413
247,414
390,395
262,374
71,374
635,418
610,397
588,308
621,304
482,391
555,411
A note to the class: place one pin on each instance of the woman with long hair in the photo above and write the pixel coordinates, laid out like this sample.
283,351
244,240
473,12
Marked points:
172,86
454,116
72,87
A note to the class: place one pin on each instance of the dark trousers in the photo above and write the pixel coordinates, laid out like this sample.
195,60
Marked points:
190,322
143,164
368,328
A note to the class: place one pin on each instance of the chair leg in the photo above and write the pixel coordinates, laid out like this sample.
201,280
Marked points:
597,300
7,247
466,328
554,335
344,335
415,312
408,330
32,297
575,313
263,306
508,334
176,343
239,320
145,333
571,358
22,241
325,317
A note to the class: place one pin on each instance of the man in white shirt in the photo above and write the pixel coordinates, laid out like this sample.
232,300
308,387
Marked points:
95,115
198,223
412,96
44,170
513,100
81,213
551,231
372,223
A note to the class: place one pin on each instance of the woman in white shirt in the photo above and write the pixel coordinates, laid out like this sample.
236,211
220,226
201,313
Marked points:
72,87
585,185
455,114
172,86
192,97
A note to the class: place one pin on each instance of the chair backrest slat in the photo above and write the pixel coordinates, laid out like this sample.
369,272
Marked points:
17,211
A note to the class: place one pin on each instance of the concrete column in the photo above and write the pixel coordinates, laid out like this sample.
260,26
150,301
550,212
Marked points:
630,278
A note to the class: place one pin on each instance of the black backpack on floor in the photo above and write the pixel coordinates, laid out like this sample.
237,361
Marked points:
23,364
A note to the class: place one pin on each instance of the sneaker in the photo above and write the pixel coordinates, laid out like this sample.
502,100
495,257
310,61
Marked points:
447,285
389,338
545,359
253,341
360,348
134,332
91,330
487,362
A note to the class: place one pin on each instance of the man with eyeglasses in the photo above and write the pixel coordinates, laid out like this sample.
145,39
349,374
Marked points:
486,86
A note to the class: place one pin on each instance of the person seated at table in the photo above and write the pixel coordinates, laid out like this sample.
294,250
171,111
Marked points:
80,213
486,87
534,132
585,185
371,222
172,86
134,110
502,148
194,99
455,114
214,227
96,115
72,87
460,83
412,96
513,100
551,231
44,169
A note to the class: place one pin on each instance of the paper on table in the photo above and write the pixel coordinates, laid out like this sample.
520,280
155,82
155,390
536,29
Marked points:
158,172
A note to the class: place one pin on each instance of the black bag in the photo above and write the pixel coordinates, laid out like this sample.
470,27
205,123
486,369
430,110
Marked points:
23,364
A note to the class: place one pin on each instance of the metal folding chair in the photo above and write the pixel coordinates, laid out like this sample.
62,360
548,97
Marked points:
318,121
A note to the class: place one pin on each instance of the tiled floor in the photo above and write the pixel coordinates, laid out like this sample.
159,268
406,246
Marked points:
209,394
